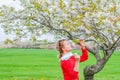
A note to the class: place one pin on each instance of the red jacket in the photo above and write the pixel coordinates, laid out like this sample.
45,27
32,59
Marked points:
67,64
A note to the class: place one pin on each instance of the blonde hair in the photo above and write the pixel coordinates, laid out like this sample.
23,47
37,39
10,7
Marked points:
59,46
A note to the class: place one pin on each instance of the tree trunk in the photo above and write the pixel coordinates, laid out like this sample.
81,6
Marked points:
89,77
90,71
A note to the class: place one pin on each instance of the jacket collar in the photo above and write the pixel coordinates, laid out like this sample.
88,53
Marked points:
67,56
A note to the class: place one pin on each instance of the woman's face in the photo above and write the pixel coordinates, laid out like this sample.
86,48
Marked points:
67,46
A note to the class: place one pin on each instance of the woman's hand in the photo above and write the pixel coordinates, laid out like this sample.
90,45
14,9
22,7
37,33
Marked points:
77,57
82,42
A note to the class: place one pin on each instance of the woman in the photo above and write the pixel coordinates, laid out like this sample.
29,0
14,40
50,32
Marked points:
69,63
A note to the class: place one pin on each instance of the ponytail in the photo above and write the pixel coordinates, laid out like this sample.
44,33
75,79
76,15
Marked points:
59,47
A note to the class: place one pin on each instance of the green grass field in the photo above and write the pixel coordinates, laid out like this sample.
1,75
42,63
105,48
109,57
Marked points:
36,64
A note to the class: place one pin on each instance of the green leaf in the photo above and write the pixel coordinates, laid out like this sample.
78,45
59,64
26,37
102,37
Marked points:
98,1
37,5
12,9
75,41
88,27
17,32
1,13
7,41
112,9
61,4
34,38
109,30
44,31
102,18
28,24
118,32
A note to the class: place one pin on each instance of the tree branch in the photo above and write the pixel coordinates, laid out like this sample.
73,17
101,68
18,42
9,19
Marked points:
97,31
116,43
94,52
52,28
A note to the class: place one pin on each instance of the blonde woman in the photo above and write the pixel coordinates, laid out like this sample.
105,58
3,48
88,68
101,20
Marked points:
69,62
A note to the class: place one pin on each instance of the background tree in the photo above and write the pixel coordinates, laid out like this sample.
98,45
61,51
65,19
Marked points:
97,20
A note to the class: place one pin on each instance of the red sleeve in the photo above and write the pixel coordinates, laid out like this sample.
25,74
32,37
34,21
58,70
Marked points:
84,55
66,67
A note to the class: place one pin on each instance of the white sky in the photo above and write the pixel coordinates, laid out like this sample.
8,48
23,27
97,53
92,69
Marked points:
16,5
13,3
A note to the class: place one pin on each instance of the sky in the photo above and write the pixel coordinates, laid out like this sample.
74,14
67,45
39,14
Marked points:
13,3
16,5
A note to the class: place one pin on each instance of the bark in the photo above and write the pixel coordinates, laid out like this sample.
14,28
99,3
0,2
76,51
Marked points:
89,77
90,71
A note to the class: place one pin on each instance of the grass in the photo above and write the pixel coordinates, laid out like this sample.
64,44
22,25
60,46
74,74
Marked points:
36,64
